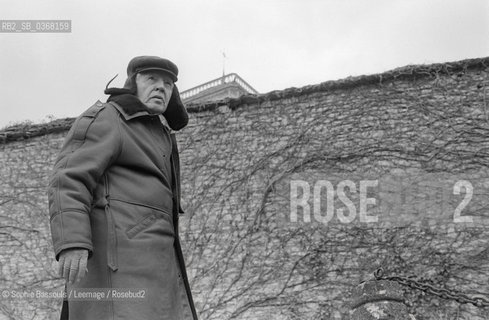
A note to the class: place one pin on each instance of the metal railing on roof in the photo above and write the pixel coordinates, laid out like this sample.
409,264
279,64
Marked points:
229,78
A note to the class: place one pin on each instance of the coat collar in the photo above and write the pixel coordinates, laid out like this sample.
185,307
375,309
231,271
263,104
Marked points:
176,115
131,113
128,105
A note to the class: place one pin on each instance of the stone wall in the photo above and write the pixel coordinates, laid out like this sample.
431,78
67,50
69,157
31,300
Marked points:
248,258
26,257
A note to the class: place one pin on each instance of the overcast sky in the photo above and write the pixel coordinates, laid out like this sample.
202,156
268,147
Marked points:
272,44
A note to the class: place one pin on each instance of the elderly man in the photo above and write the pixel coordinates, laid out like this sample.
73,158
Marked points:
114,200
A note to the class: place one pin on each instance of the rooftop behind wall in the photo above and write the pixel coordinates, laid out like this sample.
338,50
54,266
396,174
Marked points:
209,91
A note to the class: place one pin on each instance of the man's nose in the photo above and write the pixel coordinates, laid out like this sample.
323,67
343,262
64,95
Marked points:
160,85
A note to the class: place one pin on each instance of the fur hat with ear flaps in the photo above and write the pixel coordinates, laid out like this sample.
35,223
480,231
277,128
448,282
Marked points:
176,115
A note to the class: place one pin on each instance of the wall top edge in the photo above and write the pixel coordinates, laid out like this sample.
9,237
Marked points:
411,72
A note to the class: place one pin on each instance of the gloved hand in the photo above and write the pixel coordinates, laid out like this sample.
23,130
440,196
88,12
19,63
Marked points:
73,264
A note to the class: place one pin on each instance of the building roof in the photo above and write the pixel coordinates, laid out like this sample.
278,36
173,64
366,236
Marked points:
227,86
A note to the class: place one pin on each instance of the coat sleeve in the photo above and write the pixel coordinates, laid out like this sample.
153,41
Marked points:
91,146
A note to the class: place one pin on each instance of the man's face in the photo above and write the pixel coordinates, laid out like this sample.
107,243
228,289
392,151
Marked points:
154,89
